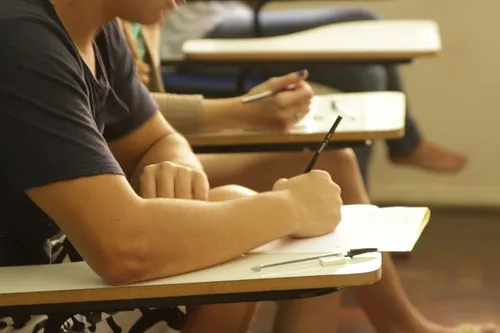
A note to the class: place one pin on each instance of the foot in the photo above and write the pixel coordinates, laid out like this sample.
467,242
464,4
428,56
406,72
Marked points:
432,157
464,328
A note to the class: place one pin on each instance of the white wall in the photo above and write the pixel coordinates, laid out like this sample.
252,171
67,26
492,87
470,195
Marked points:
455,97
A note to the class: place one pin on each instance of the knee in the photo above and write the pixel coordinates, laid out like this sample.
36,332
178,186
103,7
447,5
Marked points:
344,159
373,78
358,78
229,192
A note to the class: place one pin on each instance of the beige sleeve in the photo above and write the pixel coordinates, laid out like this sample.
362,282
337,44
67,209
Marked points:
183,112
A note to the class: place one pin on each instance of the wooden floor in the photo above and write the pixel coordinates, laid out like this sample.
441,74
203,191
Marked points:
453,275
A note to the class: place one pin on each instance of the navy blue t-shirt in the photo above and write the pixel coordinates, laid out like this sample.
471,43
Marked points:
56,117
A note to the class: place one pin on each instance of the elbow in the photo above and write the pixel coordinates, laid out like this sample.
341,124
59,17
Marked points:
135,261
120,275
123,264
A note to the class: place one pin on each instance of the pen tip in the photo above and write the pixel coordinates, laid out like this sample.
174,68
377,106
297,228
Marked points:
256,268
302,72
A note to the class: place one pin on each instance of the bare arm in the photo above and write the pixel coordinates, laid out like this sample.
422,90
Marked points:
220,114
191,114
127,239
154,142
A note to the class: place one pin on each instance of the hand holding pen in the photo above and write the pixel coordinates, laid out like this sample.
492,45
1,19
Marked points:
277,104
297,76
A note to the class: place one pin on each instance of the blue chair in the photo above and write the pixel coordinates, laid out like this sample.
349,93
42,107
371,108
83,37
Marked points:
216,86
209,86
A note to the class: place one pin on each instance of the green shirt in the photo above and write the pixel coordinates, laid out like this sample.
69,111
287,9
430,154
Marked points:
141,47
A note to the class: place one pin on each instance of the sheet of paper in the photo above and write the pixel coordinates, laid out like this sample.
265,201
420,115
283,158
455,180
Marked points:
394,229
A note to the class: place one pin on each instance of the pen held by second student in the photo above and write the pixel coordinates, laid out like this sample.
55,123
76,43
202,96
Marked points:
268,93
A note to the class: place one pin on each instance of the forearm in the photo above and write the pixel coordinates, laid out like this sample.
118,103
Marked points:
183,112
127,239
173,148
192,113
221,114
202,234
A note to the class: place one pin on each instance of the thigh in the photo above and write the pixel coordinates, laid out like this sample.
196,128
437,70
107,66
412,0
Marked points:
275,23
259,171
282,22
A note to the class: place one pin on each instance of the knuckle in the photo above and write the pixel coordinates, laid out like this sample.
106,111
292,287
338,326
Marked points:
166,166
320,173
336,187
309,93
143,177
280,103
148,169
197,174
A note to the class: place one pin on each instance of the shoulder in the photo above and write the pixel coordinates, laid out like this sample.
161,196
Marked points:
30,37
111,39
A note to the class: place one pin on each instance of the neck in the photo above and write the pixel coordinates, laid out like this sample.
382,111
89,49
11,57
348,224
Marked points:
82,19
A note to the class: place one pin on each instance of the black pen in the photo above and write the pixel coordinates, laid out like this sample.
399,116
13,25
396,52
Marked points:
325,142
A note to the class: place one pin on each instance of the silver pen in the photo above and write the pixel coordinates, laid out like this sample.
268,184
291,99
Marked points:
348,254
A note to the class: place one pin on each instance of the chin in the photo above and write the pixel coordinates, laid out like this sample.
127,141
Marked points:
150,19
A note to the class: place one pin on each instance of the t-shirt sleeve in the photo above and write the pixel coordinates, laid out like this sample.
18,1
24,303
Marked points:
47,130
126,84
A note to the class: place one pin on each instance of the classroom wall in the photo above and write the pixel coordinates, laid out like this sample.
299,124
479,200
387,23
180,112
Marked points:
455,98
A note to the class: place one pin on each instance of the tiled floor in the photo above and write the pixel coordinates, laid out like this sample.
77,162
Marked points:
452,276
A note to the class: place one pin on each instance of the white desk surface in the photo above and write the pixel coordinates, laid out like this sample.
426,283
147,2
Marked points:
378,115
76,282
387,39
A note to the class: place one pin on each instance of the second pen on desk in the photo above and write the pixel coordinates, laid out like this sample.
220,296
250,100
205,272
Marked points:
349,254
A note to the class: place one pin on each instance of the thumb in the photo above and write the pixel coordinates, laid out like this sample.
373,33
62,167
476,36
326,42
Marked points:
283,82
280,184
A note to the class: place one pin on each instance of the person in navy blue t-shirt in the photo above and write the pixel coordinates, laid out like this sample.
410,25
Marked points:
90,170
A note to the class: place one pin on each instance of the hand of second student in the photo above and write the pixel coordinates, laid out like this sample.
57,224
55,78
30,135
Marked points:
284,109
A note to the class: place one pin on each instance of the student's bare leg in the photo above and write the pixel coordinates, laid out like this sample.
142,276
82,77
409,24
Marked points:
259,172
219,318
386,303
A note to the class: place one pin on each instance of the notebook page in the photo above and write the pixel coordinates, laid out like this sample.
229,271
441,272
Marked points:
335,241
392,230
407,222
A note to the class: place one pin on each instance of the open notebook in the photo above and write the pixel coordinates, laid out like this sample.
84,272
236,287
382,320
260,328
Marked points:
391,229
